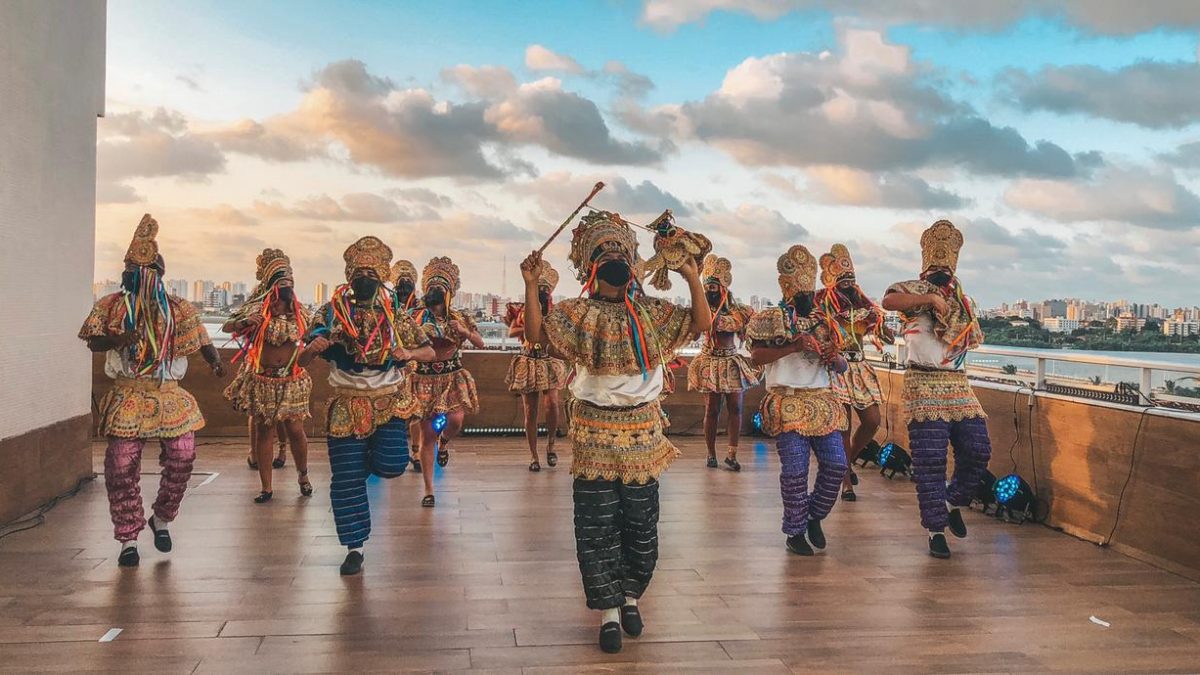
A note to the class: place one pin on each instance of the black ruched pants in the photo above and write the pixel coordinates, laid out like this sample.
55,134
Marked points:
616,539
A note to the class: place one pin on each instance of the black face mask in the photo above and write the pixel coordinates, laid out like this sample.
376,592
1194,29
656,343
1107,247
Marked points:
434,297
364,288
405,289
544,300
850,294
615,273
939,278
714,298
803,302
287,294
128,281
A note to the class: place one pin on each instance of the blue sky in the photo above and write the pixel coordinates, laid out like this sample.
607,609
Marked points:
306,124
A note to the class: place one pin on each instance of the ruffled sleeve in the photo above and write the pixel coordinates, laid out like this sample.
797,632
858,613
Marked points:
408,334
190,334
767,326
672,323
104,319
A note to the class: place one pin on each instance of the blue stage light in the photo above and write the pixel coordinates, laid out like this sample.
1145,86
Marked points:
1006,488
893,459
1014,498
439,422
757,422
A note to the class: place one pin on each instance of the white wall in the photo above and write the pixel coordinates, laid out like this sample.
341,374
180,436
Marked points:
51,91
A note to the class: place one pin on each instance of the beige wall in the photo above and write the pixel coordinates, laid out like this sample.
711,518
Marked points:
51,91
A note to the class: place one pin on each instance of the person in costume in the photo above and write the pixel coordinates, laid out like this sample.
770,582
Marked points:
793,344
617,345
404,282
271,386
368,342
442,386
853,320
147,336
719,371
534,374
940,409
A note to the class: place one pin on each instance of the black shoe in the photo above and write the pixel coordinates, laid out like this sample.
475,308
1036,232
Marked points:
815,536
551,458
733,464
416,466
352,564
263,497
279,462
129,557
799,545
610,637
162,538
712,462
958,528
849,496
853,477
938,547
631,620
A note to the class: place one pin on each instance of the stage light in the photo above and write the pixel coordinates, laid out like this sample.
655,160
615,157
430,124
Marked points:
984,497
1014,498
893,460
869,454
439,422
757,422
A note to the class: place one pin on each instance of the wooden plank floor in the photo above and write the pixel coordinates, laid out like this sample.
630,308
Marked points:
488,582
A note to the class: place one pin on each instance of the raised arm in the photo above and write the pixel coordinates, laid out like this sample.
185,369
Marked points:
762,354
533,308
702,318
897,301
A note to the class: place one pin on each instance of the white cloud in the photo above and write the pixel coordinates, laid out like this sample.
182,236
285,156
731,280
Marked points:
539,58
1150,198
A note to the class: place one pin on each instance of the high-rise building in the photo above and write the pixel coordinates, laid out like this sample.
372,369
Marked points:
201,289
218,298
321,293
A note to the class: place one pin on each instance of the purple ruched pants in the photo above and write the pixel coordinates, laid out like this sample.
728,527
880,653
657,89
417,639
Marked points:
798,506
122,474
929,442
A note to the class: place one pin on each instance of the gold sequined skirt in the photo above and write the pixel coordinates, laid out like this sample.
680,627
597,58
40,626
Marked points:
858,387
444,386
531,374
271,397
808,412
939,395
147,408
721,371
625,444
358,412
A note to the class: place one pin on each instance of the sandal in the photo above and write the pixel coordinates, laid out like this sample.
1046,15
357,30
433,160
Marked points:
848,495
252,464
443,457
280,461
853,478
306,488
417,466
263,497
733,464
551,458
427,501
534,466
712,462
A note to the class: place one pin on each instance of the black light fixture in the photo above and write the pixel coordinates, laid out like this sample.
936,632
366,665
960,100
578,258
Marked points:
893,459
869,454
984,498
1015,500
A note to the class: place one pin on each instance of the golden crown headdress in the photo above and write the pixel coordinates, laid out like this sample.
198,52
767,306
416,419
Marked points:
270,262
441,271
797,271
143,250
836,265
940,245
548,276
368,253
600,230
404,269
717,269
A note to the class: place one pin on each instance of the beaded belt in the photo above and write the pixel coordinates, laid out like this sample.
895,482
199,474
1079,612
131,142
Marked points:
351,392
439,367
146,383
535,352
721,351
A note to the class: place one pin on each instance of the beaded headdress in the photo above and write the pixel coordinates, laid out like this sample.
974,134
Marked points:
599,232
797,271
547,276
143,250
940,245
368,253
717,269
836,265
271,262
403,269
440,271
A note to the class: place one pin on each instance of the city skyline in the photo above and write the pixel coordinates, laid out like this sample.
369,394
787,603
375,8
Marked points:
1064,144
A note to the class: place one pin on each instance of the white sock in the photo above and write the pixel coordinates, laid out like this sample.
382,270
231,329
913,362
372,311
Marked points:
128,545
632,602
933,533
611,616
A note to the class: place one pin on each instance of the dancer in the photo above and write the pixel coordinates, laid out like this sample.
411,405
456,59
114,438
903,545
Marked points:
280,460
852,318
719,371
940,408
534,374
442,386
147,336
616,345
271,386
404,281
367,343
800,409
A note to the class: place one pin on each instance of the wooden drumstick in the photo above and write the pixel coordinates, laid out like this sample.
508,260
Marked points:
595,189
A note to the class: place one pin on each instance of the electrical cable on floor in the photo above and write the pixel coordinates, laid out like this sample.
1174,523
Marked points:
39,515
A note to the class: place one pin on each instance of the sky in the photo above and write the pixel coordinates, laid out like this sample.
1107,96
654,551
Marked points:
1062,137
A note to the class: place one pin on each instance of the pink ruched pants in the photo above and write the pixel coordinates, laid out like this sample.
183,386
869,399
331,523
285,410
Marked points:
122,472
